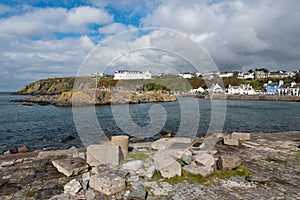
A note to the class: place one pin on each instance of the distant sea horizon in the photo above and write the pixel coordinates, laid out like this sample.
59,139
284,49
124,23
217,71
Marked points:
45,126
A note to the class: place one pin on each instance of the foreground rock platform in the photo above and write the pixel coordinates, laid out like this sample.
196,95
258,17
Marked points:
273,159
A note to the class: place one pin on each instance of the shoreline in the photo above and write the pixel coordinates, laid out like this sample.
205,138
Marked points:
259,97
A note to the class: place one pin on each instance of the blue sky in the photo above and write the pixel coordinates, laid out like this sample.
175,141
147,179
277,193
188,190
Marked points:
41,39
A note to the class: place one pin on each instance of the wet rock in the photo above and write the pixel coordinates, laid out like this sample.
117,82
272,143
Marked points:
198,170
132,165
107,184
204,159
13,150
72,187
230,141
106,153
71,166
241,136
228,162
167,165
139,193
67,138
23,149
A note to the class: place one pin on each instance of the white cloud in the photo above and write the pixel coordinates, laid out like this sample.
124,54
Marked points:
114,28
86,14
46,21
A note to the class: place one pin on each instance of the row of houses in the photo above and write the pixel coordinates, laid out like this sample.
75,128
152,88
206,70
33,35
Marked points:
271,88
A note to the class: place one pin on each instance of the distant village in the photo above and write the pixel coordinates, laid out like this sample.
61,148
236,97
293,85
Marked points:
270,87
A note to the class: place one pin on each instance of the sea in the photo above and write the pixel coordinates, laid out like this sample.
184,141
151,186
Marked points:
41,127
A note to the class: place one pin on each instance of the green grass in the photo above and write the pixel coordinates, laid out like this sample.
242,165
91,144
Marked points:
138,156
198,179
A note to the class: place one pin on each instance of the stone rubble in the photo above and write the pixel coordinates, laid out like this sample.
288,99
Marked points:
274,165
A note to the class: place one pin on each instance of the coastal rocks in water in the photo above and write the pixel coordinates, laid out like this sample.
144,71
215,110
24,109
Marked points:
241,136
67,138
204,159
230,141
23,149
139,193
106,153
71,166
166,165
228,162
107,183
198,170
133,165
163,143
72,187
13,150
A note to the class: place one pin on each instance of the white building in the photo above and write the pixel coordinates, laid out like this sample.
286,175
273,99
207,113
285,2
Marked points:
186,75
246,75
131,75
226,75
292,89
242,89
216,89
197,90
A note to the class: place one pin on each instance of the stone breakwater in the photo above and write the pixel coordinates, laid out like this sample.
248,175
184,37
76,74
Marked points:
241,166
98,97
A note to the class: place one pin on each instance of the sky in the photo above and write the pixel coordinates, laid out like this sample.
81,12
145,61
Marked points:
43,39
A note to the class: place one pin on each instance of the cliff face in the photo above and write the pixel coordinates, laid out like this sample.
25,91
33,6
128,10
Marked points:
48,86
98,97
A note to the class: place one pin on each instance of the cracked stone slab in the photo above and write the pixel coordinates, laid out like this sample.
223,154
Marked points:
71,166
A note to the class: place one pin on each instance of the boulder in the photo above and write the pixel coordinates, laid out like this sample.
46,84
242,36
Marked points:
166,165
71,166
164,142
228,162
150,171
72,187
106,153
230,141
132,165
204,159
241,136
139,193
23,149
187,158
107,183
198,170
13,150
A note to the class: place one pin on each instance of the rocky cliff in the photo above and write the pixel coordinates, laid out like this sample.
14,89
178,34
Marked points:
99,97
49,86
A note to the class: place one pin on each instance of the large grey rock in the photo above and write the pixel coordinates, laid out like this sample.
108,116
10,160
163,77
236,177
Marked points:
139,193
241,136
164,142
132,165
72,187
150,171
71,166
204,159
166,165
228,162
108,183
106,153
230,141
198,170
